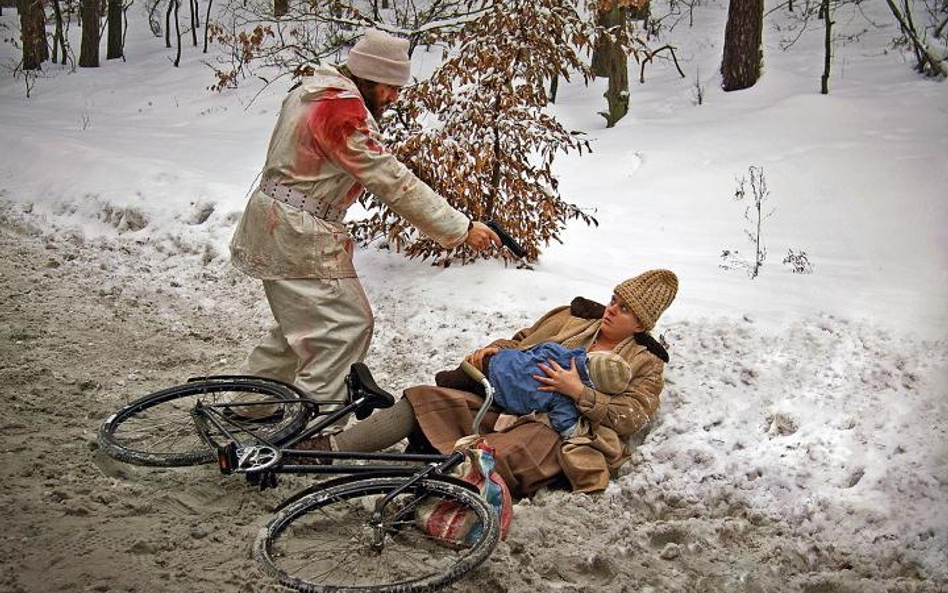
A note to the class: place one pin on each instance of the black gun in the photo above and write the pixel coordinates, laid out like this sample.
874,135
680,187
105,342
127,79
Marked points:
508,241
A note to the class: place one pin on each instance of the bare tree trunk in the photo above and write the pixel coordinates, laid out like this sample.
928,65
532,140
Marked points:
929,61
32,33
617,69
57,34
609,17
114,49
743,34
192,5
207,20
59,37
554,88
125,8
42,43
827,49
153,23
171,9
177,32
281,7
907,12
89,50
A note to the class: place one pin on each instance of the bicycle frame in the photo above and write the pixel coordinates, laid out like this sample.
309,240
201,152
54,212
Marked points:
260,463
267,457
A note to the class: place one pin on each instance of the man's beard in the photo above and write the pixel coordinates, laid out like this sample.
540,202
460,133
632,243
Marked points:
374,108
369,97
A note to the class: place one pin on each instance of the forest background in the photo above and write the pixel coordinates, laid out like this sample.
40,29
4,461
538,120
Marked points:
801,439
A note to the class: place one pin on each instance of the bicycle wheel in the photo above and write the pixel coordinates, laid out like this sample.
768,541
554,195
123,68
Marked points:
326,542
158,430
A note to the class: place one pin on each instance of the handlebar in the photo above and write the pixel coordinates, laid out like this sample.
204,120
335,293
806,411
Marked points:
478,376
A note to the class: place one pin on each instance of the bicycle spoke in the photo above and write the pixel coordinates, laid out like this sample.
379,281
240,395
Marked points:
296,550
286,553
334,568
175,439
135,428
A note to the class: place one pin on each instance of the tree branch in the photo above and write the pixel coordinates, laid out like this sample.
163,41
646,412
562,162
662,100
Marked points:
936,63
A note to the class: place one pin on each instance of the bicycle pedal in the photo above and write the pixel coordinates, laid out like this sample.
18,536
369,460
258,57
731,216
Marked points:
267,480
227,458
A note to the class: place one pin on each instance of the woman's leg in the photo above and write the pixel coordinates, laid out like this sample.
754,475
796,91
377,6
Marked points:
379,431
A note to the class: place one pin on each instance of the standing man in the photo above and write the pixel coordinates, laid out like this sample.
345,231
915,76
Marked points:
326,148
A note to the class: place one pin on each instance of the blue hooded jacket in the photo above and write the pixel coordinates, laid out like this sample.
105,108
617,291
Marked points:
517,392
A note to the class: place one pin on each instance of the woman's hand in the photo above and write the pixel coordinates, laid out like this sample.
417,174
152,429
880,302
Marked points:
565,381
477,357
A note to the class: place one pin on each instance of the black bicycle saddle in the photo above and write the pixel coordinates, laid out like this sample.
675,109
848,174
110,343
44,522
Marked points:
361,384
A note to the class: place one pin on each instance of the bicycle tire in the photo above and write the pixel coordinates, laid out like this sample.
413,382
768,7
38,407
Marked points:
158,431
337,516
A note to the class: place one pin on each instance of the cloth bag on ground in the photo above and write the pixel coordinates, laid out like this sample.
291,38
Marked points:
455,524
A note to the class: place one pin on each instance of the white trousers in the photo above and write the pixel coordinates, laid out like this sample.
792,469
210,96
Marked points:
322,327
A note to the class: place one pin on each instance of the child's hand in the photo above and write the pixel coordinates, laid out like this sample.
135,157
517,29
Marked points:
565,381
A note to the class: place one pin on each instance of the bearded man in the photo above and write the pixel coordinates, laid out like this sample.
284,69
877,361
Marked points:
326,149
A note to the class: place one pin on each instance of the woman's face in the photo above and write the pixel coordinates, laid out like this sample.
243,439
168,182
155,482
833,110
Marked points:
618,321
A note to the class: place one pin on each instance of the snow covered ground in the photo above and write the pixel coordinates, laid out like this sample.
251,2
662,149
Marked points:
802,436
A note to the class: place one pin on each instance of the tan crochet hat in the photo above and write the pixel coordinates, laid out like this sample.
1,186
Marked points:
380,57
649,294
609,372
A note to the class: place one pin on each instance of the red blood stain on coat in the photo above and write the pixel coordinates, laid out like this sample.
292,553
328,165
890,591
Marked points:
331,124
309,155
327,134
374,147
352,195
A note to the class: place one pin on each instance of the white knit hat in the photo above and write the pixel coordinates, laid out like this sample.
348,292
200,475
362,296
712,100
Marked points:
380,57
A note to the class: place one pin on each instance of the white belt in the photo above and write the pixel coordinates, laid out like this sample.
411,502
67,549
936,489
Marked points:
318,207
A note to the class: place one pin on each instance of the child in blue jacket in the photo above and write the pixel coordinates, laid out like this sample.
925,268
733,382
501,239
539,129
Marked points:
510,372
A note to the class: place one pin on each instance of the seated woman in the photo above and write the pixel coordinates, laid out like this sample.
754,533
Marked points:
530,454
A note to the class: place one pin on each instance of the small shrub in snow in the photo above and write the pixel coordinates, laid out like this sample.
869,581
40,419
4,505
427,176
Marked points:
755,215
698,90
799,262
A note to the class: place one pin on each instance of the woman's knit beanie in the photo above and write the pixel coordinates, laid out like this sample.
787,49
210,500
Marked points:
380,57
649,294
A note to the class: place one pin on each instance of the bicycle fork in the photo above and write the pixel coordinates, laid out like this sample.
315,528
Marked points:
378,528
375,521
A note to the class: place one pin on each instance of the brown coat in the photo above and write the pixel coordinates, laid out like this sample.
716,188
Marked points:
530,454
